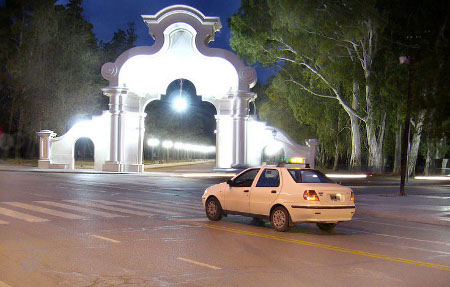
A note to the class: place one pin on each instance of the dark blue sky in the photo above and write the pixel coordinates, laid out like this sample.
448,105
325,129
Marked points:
108,16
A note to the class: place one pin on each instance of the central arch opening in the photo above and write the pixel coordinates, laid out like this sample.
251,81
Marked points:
180,126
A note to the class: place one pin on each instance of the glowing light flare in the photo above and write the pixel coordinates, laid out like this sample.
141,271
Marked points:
433,177
179,104
167,144
179,145
273,148
153,142
346,175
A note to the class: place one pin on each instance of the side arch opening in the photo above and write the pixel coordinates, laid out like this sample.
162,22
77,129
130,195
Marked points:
84,151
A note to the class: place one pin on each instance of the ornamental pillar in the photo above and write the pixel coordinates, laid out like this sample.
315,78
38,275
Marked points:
44,148
240,117
116,108
141,141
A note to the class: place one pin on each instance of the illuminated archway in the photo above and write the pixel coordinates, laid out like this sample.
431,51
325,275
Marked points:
142,74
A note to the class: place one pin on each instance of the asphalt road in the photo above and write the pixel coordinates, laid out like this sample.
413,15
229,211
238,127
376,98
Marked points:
150,230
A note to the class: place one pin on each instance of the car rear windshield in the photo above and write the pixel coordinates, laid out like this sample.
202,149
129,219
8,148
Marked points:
308,176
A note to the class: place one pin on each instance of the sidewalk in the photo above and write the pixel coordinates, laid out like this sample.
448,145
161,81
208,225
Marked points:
426,209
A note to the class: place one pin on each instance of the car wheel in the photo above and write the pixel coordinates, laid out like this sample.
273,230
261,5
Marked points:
280,219
213,209
326,226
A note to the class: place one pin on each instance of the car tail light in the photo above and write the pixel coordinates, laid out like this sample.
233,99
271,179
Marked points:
310,195
352,196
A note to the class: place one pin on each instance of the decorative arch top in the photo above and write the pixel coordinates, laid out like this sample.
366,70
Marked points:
181,28
172,14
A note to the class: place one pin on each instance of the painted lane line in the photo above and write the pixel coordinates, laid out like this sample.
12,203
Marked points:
105,238
391,224
164,205
45,210
85,210
189,203
329,247
3,222
199,263
395,236
20,215
3,284
102,206
138,207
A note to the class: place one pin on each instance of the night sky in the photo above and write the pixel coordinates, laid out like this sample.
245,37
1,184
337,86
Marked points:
108,16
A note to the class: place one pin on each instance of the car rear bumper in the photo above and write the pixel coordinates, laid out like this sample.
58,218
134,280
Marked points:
300,213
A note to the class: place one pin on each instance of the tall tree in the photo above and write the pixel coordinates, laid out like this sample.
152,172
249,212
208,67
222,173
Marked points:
318,39
53,70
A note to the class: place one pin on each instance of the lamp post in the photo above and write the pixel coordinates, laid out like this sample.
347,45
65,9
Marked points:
152,143
405,136
167,145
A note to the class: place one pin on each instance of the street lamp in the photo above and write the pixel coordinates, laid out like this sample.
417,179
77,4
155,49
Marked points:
179,104
167,145
152,142
178,146
405,136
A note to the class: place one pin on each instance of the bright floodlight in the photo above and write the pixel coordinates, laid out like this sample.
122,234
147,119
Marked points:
153,142
179,145
273,148
167,144
179,104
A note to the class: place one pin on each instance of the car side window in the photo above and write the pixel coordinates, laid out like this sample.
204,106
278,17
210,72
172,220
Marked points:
246,179
313,176
269,178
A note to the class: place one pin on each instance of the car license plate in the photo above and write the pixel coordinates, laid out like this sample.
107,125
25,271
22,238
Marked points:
335,197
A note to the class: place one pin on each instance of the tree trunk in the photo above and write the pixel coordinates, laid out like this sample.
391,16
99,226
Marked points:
355,159
336,156
428,162
18,148
444,165
414,150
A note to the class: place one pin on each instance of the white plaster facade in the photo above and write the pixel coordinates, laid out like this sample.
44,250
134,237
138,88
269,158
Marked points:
142,74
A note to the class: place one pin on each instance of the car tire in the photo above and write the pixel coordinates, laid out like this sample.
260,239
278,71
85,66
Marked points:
326,226
280,219
213,209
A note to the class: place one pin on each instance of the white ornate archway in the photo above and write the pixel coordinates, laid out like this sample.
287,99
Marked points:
142,74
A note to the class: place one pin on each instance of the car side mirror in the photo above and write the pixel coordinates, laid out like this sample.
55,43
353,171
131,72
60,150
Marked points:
230,182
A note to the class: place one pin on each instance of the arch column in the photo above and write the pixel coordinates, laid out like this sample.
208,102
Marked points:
116,108
44,148
240,117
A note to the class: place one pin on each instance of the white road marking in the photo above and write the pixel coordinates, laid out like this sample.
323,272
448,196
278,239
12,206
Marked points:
199,263
391,224
85,210
138,207
20,215
395,236
102,206
165,205
45,210
105,238
184,203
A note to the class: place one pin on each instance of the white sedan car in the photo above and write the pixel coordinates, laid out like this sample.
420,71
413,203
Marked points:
284,195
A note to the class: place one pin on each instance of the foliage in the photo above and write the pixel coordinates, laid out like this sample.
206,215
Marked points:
338,60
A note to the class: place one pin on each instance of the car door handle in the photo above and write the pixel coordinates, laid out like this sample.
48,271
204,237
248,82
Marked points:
273,191
246,190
